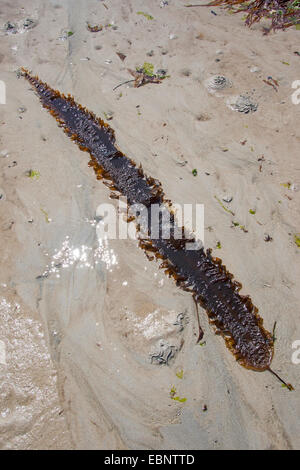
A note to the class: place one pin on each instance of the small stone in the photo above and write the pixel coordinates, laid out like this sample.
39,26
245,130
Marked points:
22,109
227,199
254,69
164,51
268,238
2,195
29,23
294,187
4,153
10,28
162,72
150,53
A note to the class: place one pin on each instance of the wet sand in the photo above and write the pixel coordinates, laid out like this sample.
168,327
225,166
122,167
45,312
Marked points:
78,318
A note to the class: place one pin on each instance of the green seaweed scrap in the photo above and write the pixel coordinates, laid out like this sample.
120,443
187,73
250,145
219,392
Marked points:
297,240
146,15
174,396
224,207
46,216
33,174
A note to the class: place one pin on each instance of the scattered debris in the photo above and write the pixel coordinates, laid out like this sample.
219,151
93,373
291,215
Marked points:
109,115
162,73
46,216
94,29
282,13
20,27
222,205
147,69
163,3
146,15
10,28
227,199
145,74
2,195
4,153
237,224
242,104
204,408
297,240
165,353
268,238
273,83
22,109
29,23
33,174
174,396
181,163
254,69
181,321
121,56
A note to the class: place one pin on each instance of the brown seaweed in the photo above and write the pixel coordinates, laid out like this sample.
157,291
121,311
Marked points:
282,13
196,271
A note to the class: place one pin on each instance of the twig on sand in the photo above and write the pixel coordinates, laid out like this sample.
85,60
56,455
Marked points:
123,83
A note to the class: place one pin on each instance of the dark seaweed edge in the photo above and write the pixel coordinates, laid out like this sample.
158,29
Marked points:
220,271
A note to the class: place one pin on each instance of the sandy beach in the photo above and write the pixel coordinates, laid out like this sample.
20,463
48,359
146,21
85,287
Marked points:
79,319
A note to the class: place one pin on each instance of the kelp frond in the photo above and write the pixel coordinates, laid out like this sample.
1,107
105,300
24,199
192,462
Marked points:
282,13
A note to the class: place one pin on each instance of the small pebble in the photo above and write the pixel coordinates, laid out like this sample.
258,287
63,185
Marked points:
2,195
227,199
268,238
4,153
